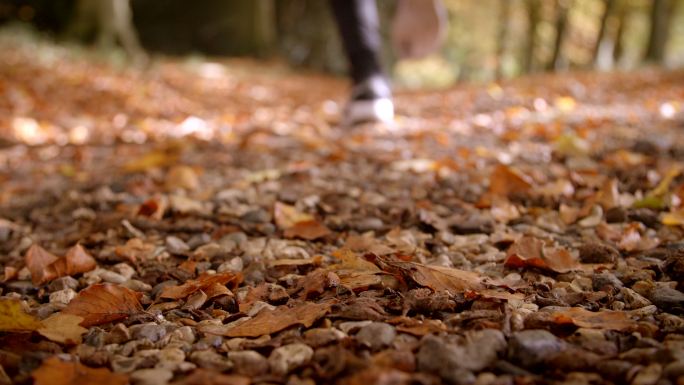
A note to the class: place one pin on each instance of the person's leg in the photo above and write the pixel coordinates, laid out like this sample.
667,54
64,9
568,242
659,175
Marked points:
358,24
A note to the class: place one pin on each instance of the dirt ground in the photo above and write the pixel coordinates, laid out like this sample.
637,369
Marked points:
201,222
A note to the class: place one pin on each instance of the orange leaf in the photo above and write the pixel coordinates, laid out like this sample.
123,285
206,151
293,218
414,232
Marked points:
505,180
103,303
268,322
37,261
203,282
308,230
530,252
439,278
612,320
14,318
54,371
287,216
78,260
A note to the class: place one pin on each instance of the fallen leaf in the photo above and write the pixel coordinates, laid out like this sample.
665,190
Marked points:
571,145
503,211
103,303
10,273
530,252
210,377
37,261
153,159
181,177
203,282
45,267
611,320
54,371
439,278
271,321
351,261
78,260
316,282
505,181
287,216
63,328
308,230
13,317
135,249
154,207
673,218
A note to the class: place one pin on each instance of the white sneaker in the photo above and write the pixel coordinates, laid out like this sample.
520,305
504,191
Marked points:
371,101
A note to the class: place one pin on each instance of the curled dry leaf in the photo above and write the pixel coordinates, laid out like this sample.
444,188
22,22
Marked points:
37,262
13,317
439,278
309,230
287,216
316,282
505,180
530,252
268,322
354,271
103,303
54,371
63,328
45,267
580,317
203,282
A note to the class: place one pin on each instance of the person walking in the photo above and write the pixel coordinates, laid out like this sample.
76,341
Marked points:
418,28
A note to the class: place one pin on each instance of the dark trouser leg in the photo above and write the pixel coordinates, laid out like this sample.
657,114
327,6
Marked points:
358,23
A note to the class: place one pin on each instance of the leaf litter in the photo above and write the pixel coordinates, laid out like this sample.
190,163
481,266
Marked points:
268,246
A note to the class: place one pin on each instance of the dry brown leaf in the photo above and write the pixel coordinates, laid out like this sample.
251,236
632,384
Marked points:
271,321
135,250
203,282
505,180
308,230
37,261
63,328
13,317
439,278
103,303
530,252
209,377
54,371
612,320
287,216
181,177
351,261
316,282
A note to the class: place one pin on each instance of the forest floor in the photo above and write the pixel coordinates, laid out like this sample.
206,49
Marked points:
198,223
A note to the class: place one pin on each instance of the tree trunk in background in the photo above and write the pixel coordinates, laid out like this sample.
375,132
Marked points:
660,30
618,49
608,8
264,26
502,35
533,16
562,9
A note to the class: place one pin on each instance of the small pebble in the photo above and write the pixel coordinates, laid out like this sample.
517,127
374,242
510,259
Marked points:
289,357
377,335
62,297
157,376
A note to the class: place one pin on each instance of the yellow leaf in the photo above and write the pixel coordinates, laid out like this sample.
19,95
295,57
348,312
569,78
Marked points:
675,218
13,317
63,328
150,160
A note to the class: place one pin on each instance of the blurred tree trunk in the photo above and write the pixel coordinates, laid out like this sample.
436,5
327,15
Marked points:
502,35
264,26
113,21
533,18
562,10
619,48
660,30
608,7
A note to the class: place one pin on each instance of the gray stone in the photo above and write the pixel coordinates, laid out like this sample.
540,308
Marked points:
606,282
118,335
248,363
176,245
62,297
209,359
183,334
531,348
376,335
170,358
157,376
63,283
150,331
633,300
289,357
667,298
444,359
236,264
